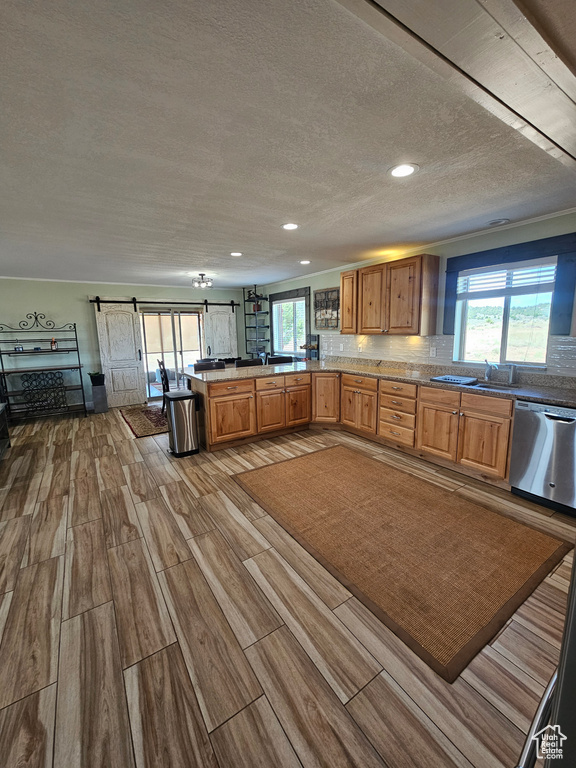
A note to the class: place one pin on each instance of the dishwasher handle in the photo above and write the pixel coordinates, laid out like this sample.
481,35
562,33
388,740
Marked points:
561,419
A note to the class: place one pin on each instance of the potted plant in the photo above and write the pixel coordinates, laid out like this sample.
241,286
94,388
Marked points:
97,378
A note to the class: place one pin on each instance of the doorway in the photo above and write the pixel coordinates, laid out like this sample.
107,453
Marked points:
174,337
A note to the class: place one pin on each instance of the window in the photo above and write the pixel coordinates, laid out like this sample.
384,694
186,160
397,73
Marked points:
173,337
503,312
289,326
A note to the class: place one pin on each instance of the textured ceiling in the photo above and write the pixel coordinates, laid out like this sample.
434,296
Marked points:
143,140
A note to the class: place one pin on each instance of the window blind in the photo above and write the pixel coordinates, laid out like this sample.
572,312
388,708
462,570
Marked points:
518,279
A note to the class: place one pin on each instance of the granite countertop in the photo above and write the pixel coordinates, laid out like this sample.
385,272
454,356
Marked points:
533,393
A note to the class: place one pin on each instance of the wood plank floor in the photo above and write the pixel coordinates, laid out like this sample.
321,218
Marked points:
153,615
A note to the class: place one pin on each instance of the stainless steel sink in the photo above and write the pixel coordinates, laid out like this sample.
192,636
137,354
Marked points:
490,385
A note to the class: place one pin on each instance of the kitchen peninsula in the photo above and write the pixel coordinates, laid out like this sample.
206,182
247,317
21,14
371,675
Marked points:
465,427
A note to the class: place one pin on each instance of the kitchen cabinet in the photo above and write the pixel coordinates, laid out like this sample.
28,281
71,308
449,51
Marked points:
437,422
270,410
232,416
471,430
348,301
396,297
371,298
397,412
283,401
298,405
359,402
326,397
484,433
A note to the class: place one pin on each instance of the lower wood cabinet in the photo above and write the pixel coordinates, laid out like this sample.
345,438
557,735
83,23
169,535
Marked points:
270,410
232,417
283,408
359,408
484,433
326,397
472,430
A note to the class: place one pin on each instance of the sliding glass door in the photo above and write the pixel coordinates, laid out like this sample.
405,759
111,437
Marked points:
173,337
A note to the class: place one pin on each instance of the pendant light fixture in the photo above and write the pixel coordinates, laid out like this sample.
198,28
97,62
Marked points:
202,281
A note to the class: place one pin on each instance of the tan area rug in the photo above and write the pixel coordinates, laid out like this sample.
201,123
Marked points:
145,420
444,574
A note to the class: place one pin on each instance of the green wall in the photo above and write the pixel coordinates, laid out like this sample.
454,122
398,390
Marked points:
68,303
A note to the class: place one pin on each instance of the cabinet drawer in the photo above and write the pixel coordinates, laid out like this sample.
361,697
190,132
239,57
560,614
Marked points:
360,382
398,388
297,379
494,406
439,396
406,420
395,403
230,387
398,434
270,382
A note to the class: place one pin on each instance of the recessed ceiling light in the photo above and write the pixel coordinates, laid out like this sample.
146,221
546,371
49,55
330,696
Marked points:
235,253
498,222
406,169
304,262
289,226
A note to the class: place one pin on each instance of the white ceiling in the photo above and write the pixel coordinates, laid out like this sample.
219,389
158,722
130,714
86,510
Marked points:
144,140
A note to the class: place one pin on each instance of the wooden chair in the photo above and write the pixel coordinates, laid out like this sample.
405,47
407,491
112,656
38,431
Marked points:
276,359
246,363
165,383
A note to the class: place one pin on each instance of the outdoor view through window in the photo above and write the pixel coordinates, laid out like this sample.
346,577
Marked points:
503,313
289,326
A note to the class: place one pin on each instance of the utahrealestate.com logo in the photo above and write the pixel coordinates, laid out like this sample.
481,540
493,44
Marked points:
549,741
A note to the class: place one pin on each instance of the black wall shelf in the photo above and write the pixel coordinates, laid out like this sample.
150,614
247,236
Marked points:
32,392
253,301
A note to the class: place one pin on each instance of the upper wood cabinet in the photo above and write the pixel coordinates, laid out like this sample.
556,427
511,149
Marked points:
348,301
397,297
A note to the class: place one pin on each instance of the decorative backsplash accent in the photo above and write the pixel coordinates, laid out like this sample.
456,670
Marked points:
437,351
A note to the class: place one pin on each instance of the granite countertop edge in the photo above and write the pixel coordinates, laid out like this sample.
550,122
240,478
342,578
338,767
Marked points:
552,395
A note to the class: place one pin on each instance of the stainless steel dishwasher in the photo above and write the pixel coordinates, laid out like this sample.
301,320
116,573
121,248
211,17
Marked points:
543,456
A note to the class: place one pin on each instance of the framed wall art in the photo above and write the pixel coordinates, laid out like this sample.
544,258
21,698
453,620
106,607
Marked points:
326,309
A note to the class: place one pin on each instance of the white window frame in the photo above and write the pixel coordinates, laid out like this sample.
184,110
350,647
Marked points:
507,293
293,352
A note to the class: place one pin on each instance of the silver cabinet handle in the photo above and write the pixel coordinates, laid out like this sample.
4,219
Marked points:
358,381
236,387
395,433
298,378
396,402
396,417
461,414
456,413
251,397
398,388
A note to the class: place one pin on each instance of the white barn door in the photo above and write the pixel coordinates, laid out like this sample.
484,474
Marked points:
120,343
220,337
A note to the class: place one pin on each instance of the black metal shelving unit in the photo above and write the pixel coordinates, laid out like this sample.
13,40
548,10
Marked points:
31,391
256,322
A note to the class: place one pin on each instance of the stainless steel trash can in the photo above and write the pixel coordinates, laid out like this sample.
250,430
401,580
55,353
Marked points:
182,423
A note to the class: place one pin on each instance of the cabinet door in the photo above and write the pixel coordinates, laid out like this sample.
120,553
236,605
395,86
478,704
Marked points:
270,410
403,282
232,417
483,442
371,289
298,405
326,397
348,406
367,411
348,301
437,430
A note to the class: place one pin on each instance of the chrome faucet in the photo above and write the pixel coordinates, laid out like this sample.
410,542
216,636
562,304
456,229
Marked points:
512,373
488,371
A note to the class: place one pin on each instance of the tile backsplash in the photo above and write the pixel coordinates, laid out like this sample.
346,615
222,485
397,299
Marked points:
432,350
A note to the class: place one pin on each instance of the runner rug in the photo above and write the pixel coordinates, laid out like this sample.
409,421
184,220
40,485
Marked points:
145,420
442,573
